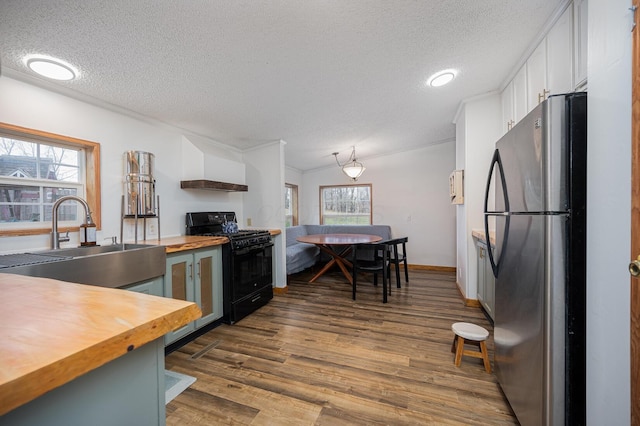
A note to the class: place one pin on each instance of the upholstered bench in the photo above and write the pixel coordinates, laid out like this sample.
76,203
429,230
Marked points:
301,256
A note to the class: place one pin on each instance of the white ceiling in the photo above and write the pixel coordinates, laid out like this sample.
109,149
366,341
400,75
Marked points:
322,75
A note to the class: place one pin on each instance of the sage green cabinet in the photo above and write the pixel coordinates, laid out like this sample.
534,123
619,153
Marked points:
195,276
153,287
486,280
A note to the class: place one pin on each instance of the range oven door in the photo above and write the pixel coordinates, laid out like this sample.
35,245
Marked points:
252,270
249,284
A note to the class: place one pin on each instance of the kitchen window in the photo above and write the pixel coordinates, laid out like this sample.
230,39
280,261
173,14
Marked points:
37,168
345,205
291,204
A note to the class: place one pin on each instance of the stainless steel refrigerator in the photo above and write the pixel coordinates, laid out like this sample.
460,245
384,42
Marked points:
538,173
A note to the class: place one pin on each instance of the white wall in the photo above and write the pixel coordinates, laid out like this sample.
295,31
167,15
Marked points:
410,193
608,212
29,106
264,203
462,261
293,176
478,128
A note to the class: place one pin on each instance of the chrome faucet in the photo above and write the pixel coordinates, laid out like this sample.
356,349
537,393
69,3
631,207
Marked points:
55,235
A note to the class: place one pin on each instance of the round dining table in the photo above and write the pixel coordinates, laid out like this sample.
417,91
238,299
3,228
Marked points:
327,242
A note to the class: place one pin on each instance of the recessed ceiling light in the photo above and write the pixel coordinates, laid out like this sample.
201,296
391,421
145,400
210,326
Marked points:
441,78
51,68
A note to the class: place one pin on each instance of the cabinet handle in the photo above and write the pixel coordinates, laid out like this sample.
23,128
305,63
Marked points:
481,253
191,271
198,270
542,96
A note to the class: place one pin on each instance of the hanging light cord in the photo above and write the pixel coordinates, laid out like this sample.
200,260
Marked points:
351,159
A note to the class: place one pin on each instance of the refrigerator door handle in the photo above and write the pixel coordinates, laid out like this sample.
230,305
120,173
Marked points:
496,160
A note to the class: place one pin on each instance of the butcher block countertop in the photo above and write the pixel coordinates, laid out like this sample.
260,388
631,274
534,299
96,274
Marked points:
187,242
192,242
52,332
480,235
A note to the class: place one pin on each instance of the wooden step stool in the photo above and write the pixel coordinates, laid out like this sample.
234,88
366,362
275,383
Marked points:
471,333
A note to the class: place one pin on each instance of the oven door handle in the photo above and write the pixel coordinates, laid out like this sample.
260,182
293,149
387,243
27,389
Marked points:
246,250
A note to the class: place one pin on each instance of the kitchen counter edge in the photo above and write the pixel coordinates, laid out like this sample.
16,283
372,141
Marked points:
70,329
479,234
193,242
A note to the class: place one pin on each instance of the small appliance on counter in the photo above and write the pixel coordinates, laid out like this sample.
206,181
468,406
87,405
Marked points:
139,200
247,262
139,184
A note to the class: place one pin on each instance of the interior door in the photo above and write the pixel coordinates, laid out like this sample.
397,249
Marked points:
635,225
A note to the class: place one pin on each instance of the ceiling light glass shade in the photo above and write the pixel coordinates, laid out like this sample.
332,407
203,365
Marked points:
441,78
354,169
51,68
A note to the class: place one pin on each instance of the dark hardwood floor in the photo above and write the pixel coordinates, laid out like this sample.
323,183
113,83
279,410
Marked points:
313,356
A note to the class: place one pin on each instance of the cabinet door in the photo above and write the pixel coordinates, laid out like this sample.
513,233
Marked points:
507,108
178,284
489,289
520,94
481,249
208,285
486,281
537,90
559,54
153,287
580,42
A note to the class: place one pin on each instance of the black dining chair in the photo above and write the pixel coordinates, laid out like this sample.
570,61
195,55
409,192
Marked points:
397,255
371,257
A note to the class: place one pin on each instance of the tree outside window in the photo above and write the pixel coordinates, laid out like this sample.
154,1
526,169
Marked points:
38,168
33,176
345,205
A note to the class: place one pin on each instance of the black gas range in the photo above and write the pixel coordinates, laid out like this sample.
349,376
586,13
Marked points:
247,261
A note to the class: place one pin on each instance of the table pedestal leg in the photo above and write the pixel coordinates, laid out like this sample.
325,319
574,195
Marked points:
336,258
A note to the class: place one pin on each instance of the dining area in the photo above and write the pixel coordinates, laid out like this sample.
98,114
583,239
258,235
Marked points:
361,258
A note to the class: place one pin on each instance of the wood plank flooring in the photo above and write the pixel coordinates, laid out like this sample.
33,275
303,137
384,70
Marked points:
313,356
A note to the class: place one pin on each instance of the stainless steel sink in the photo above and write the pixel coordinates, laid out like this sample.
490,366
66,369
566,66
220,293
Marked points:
90,250
112,266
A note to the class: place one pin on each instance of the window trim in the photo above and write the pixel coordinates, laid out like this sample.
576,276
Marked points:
91,173
322,187
294,202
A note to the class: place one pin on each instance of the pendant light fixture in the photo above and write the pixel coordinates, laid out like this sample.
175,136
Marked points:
352,167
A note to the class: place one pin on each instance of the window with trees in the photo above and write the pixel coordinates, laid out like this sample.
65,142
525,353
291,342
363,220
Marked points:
345,205
36,169
291,204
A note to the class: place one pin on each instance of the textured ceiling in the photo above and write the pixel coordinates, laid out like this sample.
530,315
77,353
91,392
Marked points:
321,75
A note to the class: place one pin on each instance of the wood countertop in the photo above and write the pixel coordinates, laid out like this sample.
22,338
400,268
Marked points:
479,235
52,331
186,242
192,242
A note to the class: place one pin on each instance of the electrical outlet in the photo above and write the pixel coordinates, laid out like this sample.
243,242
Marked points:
248,221
152,228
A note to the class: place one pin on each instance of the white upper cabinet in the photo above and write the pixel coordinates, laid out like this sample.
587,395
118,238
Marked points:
537,76
520,94
557,65
560,55
580,42
508,119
